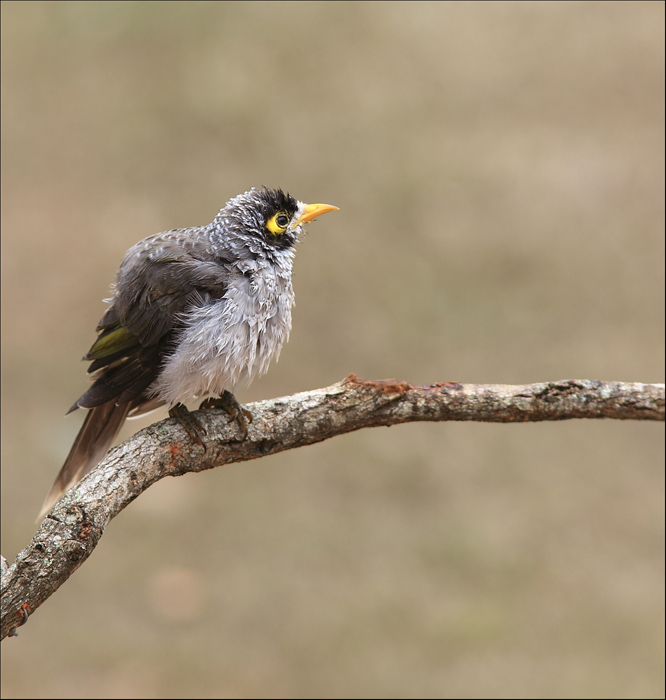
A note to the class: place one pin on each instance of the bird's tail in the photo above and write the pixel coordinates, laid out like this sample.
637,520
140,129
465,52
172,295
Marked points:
97,433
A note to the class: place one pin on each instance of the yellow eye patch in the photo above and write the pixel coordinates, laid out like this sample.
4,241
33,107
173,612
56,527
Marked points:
278,223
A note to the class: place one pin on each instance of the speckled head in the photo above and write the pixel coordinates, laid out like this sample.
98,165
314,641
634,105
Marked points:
272,215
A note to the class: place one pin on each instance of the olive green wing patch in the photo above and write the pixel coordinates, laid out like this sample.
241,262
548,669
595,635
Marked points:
114,341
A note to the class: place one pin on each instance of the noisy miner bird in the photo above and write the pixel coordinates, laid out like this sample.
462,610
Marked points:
194,312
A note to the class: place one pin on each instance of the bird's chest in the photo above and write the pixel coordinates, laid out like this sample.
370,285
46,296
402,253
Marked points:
256,316
231,340
255,298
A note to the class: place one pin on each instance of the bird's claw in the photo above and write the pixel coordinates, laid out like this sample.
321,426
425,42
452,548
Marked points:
189,423
229,404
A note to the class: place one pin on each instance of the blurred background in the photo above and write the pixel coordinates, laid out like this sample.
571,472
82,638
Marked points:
499,169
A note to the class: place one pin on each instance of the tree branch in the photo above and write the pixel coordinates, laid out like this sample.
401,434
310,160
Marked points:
70,532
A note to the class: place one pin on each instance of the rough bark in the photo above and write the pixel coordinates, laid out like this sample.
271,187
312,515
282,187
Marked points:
69,533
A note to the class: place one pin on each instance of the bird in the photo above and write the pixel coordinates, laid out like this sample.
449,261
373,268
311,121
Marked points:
194,312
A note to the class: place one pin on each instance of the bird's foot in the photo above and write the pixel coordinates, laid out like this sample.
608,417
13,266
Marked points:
189,422
228,403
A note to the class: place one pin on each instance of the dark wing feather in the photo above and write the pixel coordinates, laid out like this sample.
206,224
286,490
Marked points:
159,280
155,287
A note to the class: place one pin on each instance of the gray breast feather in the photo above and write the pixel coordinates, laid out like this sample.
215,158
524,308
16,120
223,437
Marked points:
231,340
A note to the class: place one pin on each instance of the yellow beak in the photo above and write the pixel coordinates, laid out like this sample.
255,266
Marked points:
312,211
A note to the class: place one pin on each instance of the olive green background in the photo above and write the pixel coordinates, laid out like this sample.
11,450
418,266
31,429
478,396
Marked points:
499,169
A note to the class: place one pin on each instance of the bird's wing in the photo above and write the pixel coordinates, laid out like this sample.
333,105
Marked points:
159,280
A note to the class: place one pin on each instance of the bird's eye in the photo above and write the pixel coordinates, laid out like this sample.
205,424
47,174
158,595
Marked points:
278,223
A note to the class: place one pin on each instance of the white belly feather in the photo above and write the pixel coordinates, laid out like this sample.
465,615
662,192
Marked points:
232,340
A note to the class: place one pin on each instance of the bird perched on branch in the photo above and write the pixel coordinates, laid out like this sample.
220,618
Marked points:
195,311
